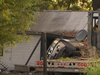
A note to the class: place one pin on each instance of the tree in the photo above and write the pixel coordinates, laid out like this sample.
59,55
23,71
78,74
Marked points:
96,4
15,17
71,2
76,5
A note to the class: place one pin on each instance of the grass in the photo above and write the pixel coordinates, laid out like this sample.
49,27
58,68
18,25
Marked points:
64,59
93,68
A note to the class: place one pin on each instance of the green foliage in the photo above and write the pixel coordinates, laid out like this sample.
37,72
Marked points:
62,4
75,5
66,59
15,17
40,5
75,8
93,68
88,5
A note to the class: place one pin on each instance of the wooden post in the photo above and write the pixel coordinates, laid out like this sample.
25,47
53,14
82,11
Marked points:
43,47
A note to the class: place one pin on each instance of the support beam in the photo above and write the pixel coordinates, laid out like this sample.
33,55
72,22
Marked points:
33,51
98,36
90,23
90,39
43,45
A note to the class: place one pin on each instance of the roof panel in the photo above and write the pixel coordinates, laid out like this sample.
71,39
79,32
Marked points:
60,21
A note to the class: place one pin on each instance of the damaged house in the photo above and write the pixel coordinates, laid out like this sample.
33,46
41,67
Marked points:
54,23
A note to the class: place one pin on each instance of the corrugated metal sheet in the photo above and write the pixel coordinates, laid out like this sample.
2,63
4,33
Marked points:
60,21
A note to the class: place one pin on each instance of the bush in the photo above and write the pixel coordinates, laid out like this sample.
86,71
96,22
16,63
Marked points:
93,69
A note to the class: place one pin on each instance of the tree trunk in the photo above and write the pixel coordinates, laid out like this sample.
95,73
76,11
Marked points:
96,4
83,3
69,4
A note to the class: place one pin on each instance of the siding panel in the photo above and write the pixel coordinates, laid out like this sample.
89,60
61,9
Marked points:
21,52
